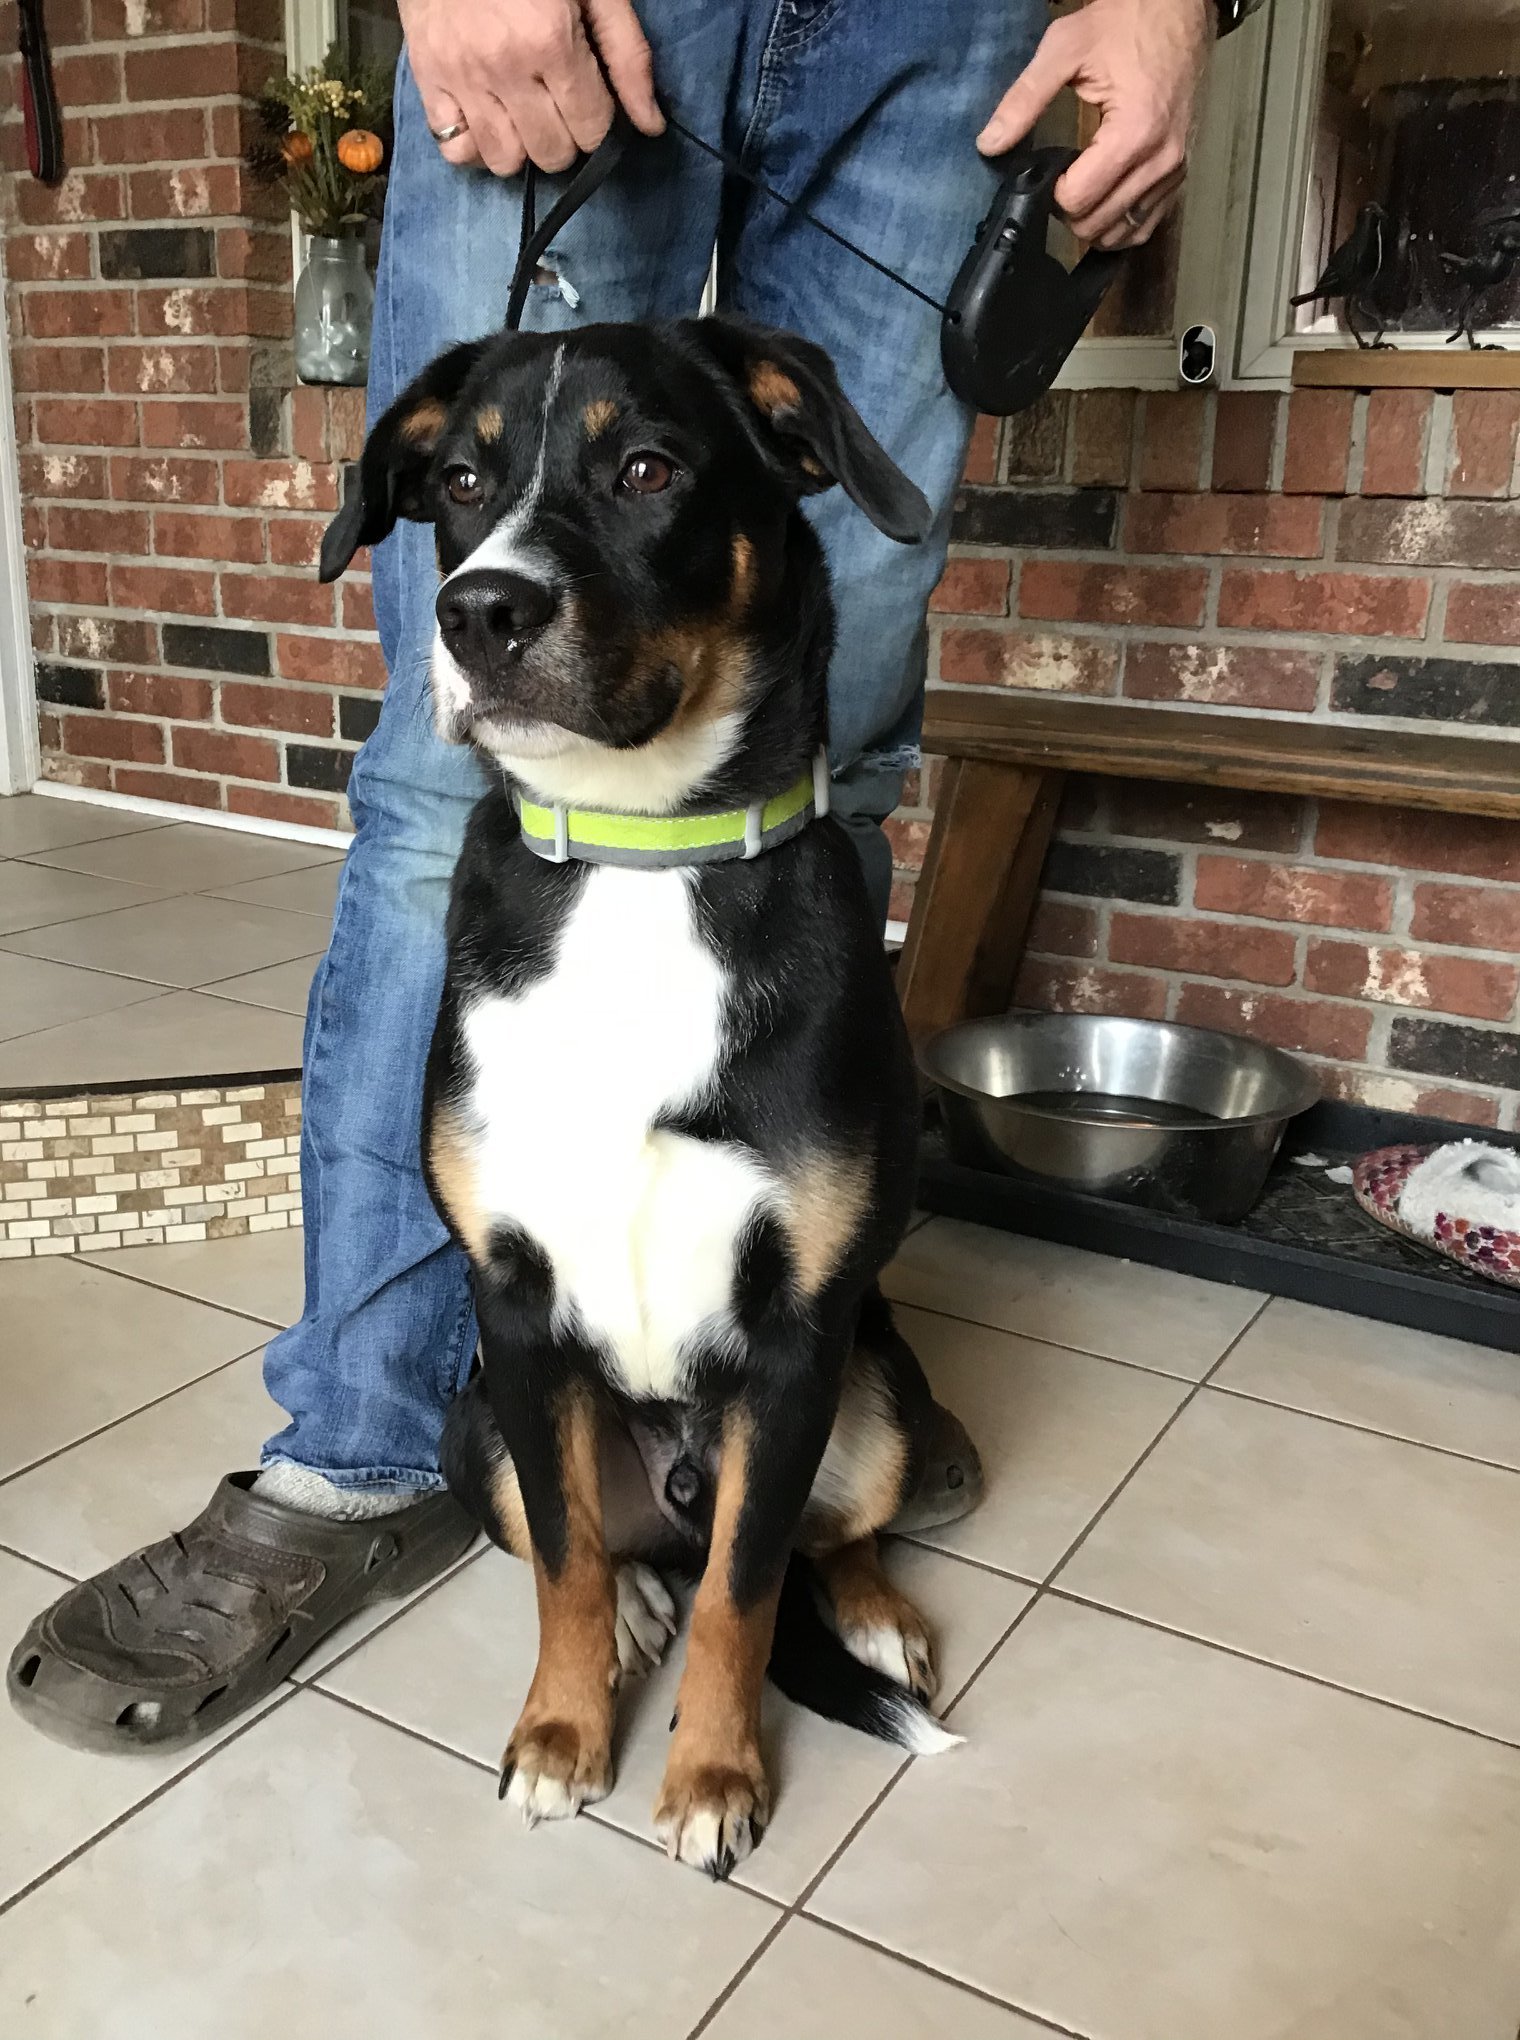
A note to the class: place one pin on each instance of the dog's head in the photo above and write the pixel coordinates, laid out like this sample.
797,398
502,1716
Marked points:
613,510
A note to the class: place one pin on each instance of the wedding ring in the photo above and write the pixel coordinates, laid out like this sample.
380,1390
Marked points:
451,133
1136,216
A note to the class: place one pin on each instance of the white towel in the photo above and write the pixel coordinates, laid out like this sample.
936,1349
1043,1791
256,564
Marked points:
1465,1179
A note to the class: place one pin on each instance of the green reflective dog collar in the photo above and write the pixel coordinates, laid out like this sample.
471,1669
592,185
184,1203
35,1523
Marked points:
558,832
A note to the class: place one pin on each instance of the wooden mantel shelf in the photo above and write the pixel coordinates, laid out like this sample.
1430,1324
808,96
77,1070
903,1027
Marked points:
1405,368
1453,771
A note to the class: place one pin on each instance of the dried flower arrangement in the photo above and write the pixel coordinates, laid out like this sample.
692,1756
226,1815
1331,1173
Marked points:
322,138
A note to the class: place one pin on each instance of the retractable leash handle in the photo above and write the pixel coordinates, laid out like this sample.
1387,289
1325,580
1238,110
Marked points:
1014,313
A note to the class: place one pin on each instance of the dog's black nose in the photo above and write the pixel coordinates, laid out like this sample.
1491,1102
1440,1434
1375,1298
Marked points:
490,611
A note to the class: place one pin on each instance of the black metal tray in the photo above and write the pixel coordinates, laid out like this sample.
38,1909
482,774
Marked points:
1308,1238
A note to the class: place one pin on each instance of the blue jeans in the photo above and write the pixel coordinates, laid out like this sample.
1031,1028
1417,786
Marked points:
868,114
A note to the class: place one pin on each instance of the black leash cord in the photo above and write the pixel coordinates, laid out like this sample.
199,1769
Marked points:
534,239
732,163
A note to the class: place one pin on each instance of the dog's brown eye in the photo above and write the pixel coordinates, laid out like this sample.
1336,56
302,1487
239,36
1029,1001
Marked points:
646,474
463,485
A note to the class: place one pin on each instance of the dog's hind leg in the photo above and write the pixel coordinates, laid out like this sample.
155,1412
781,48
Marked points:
481,1474
895,1460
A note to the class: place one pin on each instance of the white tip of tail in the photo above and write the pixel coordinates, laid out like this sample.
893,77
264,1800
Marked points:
917,1730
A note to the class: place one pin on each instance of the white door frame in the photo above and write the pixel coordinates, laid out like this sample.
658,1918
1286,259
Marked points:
20,751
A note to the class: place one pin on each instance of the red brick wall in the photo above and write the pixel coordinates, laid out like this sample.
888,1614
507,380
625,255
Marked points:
1342,555
174,482
1339,555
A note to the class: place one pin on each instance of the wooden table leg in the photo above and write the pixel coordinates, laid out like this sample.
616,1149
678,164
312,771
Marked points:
992,825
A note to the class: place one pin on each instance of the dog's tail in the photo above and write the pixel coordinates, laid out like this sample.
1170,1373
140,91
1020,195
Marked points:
812,1667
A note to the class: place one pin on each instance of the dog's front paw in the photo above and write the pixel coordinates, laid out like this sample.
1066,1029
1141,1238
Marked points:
712,1815
552,1769
646,1619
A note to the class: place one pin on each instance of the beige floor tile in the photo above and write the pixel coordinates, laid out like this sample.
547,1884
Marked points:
190,857
457,1667
1382,1566
56,1798
30,822
260,1275
1057,1432
283,987
181,942
151,1475
313,890
176,1035
76,1357
35,994
1438,1391
1147,1316
812,1984
36,896
143,1478
1143,1839
326,1875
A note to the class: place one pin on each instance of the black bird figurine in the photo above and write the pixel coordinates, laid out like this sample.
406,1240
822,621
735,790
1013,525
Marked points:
1374,270
1490,263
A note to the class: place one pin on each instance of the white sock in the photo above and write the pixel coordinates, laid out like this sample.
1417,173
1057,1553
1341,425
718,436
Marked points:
300,1487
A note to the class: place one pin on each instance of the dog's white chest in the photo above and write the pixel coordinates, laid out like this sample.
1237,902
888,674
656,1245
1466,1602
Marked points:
641,1225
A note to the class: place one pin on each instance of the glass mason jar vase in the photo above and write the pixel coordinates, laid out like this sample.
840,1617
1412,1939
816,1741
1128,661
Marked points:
335,304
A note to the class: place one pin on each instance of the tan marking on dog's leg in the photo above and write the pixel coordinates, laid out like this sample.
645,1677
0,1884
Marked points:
451,1155
715,1799
877,1624
559,1757
860,1481
511,1516
825,1202
598,415
489,424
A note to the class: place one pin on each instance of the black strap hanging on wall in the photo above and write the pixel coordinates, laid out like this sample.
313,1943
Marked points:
39,96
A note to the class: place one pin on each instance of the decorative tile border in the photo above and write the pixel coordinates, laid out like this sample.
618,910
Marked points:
135,1168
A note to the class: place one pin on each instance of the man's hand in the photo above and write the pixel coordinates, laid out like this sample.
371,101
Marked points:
1139,62
524,77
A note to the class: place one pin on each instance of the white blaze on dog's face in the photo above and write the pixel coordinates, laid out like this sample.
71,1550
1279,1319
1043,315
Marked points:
615,535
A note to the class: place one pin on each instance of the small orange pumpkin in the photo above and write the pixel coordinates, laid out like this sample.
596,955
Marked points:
360,151
296,149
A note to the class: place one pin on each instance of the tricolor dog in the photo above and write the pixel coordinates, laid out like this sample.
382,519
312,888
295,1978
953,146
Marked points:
671,1113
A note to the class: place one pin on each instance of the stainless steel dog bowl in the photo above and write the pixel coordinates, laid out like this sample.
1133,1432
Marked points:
1178,1118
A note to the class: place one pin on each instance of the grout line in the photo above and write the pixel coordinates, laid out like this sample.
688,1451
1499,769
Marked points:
402,1607
168,1785
1186,1403
1363,1430
1057,1345
943,1976
745,1967
27,1558
127,1415
184,1295
476,1764
1279,1666
986,1565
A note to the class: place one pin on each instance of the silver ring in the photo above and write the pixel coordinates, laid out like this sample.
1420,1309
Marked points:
451,133
1136,216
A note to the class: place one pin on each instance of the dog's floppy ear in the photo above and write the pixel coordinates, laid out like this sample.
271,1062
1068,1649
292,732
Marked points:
808,427
386,481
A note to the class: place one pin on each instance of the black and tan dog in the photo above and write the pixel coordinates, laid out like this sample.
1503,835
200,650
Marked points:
671,1113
